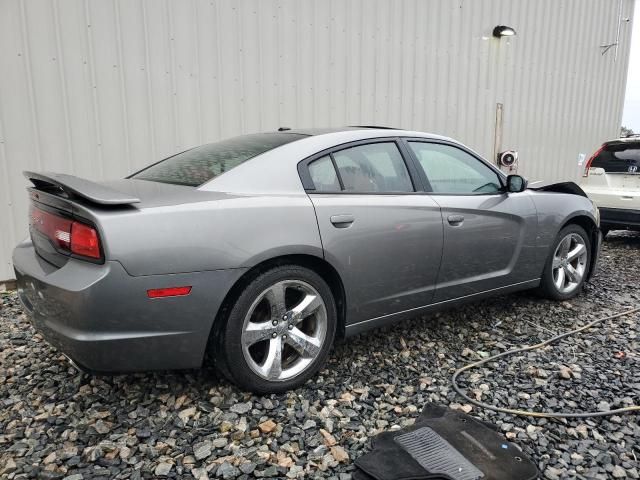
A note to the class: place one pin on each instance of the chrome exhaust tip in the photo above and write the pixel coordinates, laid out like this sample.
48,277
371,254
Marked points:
75,365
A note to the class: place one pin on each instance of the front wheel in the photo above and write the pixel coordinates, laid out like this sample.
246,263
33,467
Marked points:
279,332
566,269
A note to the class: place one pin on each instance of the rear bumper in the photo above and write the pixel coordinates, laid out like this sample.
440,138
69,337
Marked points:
619,218
101,318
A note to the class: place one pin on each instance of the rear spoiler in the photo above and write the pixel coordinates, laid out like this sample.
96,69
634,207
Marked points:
80,187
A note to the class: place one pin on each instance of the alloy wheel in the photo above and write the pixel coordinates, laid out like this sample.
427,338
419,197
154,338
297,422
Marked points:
569,263
284,330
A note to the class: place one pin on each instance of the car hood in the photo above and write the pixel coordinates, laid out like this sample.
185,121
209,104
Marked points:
560,187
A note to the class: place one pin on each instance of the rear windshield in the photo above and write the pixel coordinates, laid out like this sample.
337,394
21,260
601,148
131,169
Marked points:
619,159
199,165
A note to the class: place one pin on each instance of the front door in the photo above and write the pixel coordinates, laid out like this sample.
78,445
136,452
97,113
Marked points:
383,237
489,235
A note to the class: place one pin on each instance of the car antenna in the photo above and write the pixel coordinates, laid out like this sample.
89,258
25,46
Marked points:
283,129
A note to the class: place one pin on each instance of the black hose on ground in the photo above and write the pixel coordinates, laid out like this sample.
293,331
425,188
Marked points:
486,406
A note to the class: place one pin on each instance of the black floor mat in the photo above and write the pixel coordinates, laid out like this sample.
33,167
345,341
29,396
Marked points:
436,455
444,444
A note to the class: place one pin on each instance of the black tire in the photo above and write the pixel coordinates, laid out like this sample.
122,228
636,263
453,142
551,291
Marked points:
229,355
547,286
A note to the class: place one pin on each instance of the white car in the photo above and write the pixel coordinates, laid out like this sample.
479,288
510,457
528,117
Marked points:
612,180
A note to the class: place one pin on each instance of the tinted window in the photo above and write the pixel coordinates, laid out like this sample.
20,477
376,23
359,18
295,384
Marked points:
199,165
376,167
323,175
618,159
451,170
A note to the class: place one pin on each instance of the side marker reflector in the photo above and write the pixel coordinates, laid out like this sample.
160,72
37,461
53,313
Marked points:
168,292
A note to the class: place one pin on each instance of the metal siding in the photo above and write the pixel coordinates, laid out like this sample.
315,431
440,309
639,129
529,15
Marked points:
101,88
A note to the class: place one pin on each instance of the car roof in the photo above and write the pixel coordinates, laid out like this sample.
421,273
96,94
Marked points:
321,131
313,131
635,138
358,130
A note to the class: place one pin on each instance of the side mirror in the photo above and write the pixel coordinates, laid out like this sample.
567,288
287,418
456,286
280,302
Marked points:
516,183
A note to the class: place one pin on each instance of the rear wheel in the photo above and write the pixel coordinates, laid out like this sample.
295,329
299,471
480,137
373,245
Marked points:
279,332
567,266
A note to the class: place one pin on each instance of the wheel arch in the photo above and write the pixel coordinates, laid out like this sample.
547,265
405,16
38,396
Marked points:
317,264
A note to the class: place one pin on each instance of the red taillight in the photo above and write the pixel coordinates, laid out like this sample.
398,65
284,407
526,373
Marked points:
84,240
587,165
66,234
57,229
168,292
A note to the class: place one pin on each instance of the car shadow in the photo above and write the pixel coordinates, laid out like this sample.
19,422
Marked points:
623,239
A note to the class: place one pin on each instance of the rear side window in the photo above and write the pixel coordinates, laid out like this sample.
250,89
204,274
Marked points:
323,175
375,167
618,159
199,165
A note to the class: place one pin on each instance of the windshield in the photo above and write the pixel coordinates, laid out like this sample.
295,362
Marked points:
199,165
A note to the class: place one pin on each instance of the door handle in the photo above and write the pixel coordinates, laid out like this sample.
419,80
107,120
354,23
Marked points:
455,220
342,221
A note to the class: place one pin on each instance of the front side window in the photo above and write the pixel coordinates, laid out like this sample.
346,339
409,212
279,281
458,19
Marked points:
199,165
375,167
451,170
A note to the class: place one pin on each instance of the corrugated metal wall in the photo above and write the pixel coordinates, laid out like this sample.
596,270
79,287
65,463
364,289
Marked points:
98,88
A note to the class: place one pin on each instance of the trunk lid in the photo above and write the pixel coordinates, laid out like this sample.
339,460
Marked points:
59,217
59,200
152,194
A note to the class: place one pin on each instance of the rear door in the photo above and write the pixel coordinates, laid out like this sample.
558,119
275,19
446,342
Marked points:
383,236
489,235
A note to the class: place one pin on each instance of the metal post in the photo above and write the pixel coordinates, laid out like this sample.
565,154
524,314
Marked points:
497,139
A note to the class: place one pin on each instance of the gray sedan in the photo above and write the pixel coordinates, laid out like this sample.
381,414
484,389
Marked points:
260,250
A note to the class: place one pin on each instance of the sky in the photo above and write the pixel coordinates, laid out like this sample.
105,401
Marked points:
631,115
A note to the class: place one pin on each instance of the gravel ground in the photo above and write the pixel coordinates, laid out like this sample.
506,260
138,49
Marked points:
56,423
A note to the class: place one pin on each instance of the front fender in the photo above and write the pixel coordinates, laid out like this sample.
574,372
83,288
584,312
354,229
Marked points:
555,210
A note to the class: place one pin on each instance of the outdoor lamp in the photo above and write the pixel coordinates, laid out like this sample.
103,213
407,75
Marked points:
503,31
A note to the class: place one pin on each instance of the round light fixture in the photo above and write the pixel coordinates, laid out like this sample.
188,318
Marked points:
503,31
